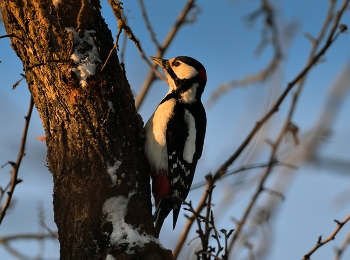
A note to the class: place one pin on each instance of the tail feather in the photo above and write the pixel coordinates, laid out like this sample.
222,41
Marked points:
176,211
163,210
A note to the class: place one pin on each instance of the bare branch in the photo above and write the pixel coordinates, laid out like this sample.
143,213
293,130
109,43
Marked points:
205,254
216,235
244,168
6,240
270,25
122,52
18,81
339,251
312,61
207,229
223,168
110,53
148,24
27,236
43,223
16,165
11,35
181,20
117,9
122,25
207,226
227,236
321,242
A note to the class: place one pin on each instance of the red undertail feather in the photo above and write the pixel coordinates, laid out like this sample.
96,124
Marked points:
160,186
161,192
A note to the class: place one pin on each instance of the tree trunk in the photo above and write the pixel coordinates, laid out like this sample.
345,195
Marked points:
93,132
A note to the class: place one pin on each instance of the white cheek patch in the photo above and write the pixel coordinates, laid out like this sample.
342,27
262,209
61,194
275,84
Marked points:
190,145
184,71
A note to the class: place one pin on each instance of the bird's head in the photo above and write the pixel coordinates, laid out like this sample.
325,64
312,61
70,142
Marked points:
186,76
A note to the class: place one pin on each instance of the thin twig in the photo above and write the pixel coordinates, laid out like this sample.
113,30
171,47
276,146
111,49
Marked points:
244,168
269,25
148,24
288,122
332,36
207,225
209,254
109,56
117,9
122,52
16,165
321,242
339,251
11,35
3,190
247,211
5,241
312,61
227,236
43,224
161,50
18,81
216,235
27,237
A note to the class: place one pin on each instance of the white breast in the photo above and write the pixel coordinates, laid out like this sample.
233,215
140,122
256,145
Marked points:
155,143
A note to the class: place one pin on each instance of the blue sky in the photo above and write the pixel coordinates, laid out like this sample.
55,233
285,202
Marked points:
224,43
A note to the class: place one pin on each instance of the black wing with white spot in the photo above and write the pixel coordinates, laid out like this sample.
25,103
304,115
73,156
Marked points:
184,143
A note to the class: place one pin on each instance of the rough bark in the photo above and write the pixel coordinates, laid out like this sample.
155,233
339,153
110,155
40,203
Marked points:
88,126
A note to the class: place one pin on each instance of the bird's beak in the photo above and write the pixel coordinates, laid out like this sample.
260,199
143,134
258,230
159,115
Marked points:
162,63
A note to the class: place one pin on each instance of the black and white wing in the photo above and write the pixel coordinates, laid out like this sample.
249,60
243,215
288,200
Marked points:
185,138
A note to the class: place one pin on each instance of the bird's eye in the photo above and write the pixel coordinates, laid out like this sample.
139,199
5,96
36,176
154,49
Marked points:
176,63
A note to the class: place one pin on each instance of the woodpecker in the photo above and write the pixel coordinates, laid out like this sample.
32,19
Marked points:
175,135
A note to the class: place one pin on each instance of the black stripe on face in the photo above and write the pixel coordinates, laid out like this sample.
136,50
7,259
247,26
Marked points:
171,73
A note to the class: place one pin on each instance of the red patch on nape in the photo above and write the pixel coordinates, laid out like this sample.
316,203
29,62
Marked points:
160,187
202,74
